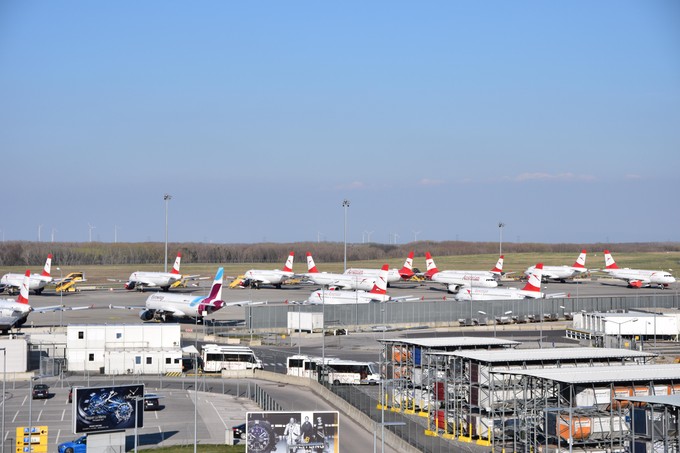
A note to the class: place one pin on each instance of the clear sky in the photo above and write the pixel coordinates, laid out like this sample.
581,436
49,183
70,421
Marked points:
435,119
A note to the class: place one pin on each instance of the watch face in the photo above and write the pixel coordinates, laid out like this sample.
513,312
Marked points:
259,437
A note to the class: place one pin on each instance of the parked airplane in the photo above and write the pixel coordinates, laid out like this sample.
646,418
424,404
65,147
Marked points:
167,307
342,281
333,297
531,290
162,280
393,275
636,278
455,280
12,282
563,272
14,313
256,277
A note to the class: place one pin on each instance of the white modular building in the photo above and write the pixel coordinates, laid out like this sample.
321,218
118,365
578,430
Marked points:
124,349
15,355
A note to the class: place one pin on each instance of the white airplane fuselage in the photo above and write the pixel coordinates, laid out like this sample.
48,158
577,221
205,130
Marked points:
496,294
153,279
341,280
180,305
558,272
266,277
457,279
392,274
334,297
645,277
36,282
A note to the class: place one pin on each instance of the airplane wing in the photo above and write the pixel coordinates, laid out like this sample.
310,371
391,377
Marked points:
125,307
240,303
58,308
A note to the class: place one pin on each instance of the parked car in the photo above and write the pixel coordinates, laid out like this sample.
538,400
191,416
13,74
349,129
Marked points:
151,402
77,446
239,433
41,391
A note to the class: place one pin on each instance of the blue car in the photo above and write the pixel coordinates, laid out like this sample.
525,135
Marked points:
77,446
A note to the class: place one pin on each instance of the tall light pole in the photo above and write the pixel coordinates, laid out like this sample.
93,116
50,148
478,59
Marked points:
61,298
501,225
167,197
345,204
4,383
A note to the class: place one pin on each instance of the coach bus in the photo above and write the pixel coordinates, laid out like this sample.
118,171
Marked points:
339,371
218,357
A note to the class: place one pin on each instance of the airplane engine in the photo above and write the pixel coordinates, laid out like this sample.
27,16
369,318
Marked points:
635,284
146,315
130,285
453,289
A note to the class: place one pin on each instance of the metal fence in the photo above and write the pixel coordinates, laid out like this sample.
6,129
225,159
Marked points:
440,313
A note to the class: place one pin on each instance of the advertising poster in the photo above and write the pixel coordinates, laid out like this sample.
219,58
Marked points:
293,432
114,408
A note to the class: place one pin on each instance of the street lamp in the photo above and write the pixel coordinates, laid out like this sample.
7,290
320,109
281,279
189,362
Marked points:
501,225
191,350
620,323
167,197
345,204
61,298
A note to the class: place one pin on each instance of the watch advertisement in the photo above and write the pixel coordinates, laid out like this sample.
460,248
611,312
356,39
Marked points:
98,409
293,432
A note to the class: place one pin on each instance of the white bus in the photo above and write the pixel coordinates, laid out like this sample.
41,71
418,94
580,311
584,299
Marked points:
217,358
339,371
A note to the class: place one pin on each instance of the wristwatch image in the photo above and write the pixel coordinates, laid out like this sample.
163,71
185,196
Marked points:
261,437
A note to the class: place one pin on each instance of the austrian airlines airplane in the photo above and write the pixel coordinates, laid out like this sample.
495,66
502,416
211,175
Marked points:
15,312
342,281
333,297
163,280
256,277
636,278
457,279
13,282
531,290
563,272
393,275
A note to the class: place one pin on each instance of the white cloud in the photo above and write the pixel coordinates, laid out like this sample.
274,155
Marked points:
431,182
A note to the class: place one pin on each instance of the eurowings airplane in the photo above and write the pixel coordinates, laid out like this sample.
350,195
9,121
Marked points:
256,277
333,297
162,280
561,273
531,290
167,307
342,281
12,282
455,280
636,278
393,275
14,313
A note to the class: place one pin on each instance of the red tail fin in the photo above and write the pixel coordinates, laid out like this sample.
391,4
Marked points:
175,267
534,283
289,263
48,266
406,271
311,267
498,268
380,286
23,292
431,267
609,262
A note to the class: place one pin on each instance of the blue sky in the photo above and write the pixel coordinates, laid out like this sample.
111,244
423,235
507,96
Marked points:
436,120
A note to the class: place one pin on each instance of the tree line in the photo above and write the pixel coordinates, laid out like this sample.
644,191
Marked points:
24,253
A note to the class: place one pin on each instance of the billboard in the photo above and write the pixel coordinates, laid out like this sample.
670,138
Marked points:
113,408
302,432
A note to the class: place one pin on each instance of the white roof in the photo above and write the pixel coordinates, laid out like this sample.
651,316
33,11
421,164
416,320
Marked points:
523,355
603,374
453,342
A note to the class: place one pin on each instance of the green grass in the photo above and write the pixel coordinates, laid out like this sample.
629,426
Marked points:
514,262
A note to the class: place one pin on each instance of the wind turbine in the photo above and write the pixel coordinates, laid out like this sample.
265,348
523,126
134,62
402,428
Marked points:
91,227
